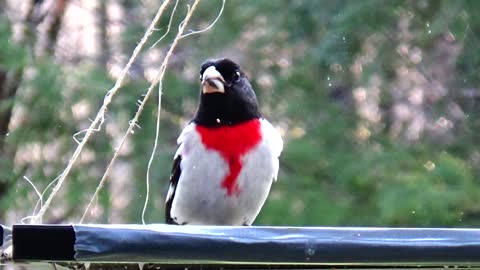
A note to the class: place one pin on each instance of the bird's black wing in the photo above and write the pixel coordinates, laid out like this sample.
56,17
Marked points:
174,177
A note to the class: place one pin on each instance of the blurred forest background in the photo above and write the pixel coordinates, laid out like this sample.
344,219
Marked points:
377,102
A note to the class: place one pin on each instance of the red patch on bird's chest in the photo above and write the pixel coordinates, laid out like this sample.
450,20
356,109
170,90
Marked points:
232,142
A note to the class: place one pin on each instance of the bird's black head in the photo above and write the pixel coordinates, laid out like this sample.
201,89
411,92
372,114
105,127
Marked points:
226,98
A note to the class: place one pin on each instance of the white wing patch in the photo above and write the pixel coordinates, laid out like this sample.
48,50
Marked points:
171,190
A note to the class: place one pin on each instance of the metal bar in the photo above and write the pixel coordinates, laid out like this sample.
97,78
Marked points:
285,247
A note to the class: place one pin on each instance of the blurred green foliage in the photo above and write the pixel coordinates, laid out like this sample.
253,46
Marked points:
314,64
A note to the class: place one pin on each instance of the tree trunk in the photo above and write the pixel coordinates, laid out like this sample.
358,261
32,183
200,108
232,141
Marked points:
103,30
53,27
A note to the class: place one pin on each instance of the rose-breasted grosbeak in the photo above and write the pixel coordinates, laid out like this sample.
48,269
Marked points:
228,155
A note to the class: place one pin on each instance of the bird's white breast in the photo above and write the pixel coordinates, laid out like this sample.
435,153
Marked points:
200,197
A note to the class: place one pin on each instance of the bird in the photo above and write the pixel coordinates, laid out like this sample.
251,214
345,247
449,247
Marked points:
227,156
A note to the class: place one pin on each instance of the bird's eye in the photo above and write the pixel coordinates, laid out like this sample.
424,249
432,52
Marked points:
236,76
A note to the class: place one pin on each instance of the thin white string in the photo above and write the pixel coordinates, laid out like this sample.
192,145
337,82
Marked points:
208,27
40,199
168,27
32,219
150,161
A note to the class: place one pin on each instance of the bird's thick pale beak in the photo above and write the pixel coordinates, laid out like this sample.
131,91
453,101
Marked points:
212,81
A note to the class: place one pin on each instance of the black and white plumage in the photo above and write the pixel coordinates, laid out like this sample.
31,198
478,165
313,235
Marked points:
228,155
